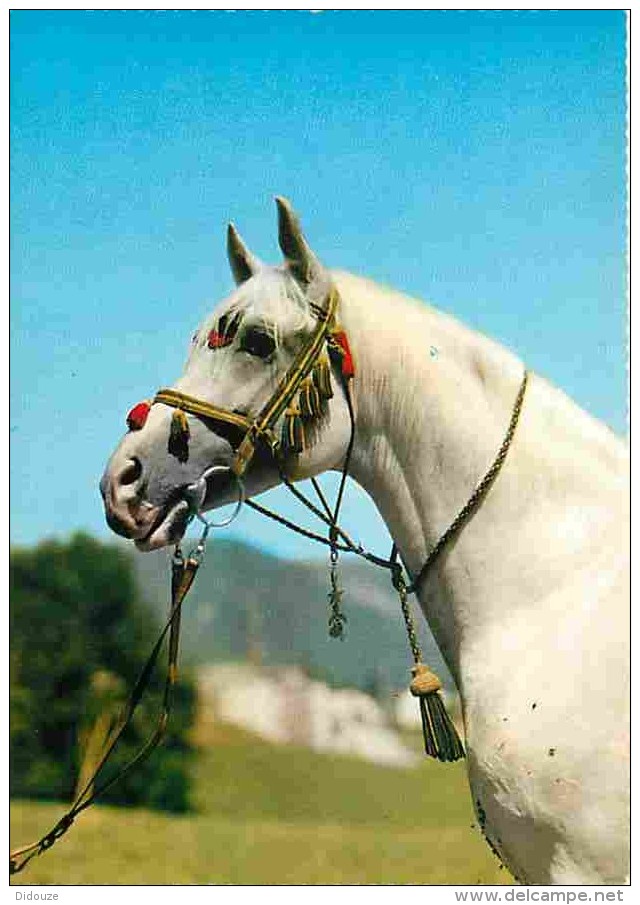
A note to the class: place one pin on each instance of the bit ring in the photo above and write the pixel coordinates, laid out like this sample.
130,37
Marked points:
238,506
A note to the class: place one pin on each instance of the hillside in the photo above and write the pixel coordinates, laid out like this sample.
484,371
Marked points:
248,603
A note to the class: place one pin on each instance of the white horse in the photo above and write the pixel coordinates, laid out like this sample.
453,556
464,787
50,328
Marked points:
529,604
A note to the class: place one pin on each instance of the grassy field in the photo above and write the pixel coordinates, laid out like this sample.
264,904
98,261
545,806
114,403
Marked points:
268,815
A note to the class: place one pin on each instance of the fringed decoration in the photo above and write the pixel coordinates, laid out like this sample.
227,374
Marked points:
309,404
293,437
217,340
441,739
322,378
224,333
179,426
309,400
337,618
137,417
179,436
339,348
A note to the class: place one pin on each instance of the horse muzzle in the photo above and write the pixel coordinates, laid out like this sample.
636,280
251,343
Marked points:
130,514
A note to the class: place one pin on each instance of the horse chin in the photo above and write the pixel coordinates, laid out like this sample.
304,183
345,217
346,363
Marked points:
167,530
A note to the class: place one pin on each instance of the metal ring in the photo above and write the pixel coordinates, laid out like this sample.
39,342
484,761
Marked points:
223,524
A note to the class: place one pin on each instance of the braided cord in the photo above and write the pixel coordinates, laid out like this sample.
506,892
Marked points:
399,584
479,493
349,546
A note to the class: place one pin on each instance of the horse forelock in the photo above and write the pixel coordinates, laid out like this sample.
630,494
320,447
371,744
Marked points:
271,298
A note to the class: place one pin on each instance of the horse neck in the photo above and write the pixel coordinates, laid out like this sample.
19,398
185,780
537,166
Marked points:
433,400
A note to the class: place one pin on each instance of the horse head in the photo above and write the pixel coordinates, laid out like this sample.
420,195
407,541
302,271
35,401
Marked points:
256,399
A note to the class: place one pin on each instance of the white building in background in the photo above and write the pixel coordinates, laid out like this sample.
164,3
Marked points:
284,706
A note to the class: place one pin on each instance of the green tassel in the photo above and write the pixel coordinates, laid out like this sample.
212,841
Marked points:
441,739
322,378
292,439
309,400
179,430
179,436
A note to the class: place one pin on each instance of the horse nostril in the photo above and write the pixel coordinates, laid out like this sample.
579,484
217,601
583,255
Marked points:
131,472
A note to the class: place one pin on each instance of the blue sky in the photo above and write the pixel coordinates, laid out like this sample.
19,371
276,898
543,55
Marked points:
473,159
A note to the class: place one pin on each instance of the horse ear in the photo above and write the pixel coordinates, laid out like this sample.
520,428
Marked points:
301,261
243,263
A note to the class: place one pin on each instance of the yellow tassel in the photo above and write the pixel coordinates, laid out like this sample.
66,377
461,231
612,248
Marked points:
440,737
179,436
309,400
322,378
293,438
179,426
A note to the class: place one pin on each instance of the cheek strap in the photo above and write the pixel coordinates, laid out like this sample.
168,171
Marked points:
194,406
307,380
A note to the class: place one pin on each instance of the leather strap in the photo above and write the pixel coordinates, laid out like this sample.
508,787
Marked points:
262,426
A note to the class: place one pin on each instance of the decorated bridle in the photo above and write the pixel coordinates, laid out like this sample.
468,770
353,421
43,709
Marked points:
299,398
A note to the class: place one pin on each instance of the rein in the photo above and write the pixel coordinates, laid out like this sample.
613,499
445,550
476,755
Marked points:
183,573
300,396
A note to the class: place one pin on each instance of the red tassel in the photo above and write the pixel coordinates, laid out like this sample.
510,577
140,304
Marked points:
137,417
341,341
217,340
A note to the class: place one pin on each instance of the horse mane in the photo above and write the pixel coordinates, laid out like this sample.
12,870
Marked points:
408,331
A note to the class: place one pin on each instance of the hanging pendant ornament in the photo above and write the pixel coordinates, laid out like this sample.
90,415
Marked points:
179,434
321,377
340,350
309,400
216,340
440,736
441,739
179,427
293,437
337,618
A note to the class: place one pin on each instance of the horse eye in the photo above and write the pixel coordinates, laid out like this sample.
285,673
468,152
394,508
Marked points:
258,343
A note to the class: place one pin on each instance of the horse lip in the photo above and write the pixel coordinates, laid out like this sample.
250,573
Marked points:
119,525
120,514
166,522
171,520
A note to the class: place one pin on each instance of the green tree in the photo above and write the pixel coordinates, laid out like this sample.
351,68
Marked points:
79,636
